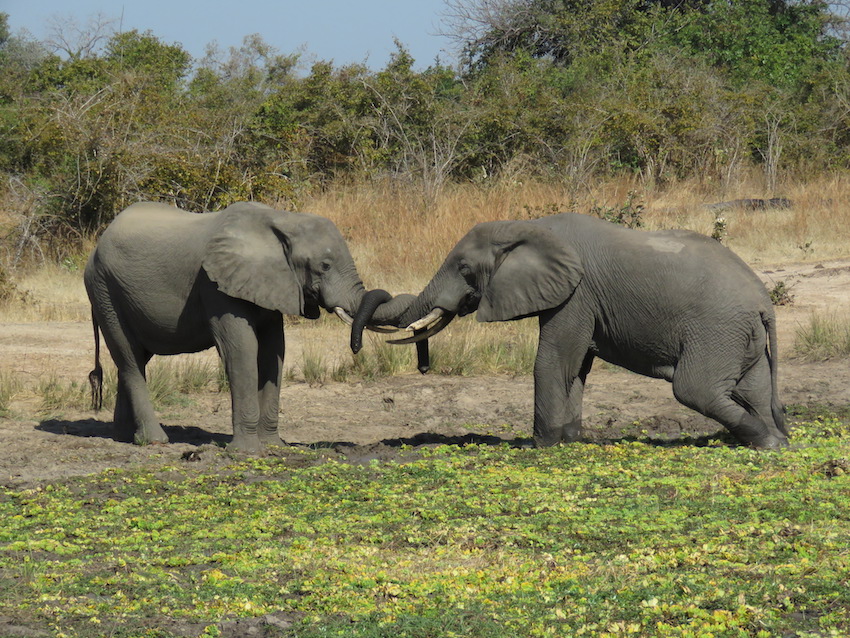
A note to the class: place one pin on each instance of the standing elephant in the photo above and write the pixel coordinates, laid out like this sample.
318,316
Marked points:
669,304
166,281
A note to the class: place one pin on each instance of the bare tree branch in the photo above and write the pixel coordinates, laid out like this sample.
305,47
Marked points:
79,42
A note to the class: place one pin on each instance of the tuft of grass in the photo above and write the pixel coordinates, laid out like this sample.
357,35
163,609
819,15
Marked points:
825,336
380,359
57,394
471,348
170,380
314,366
10,386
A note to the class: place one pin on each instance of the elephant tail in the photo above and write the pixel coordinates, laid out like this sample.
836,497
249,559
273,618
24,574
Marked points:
96,375
776,407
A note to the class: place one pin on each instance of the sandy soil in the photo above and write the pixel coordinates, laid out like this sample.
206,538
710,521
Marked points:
365,420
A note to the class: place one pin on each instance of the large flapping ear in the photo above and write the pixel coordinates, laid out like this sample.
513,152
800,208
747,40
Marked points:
535,270
249,258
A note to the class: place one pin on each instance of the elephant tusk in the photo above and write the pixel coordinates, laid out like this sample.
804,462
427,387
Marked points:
425,334
427,320
384,329
342,314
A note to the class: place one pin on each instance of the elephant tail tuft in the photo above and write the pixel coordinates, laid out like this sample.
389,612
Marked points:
96,375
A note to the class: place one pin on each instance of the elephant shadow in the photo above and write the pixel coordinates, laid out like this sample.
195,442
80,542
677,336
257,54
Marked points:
198,436
93,428
377,450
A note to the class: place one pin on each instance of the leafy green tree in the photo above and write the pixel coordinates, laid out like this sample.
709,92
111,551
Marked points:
421,121
775,42
312,129
93,123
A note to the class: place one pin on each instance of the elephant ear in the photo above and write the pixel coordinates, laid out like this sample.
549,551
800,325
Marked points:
249,258
535,270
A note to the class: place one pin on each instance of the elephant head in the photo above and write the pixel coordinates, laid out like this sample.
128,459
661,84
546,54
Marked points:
296,263
505,270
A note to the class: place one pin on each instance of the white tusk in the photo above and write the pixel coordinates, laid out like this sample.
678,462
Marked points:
342,314
384,329
425,334
427,320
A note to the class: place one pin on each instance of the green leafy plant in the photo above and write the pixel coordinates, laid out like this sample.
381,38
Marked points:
720,228
780,294
628,538
629,214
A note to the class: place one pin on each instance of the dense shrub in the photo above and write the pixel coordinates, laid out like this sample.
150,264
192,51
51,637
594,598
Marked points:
564,91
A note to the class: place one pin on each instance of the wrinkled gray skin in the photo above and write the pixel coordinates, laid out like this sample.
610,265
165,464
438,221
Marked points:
165,281
670,304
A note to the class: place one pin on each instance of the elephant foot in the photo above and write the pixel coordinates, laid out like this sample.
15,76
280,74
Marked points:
246,443
567,433
750,431
269,436
275,440
150,435
124,433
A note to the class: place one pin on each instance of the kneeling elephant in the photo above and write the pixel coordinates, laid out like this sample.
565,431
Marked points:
671,304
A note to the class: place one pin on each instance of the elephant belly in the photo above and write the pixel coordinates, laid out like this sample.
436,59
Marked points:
649,362
161,329
173,338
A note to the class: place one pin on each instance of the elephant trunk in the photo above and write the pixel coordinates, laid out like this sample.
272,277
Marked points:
393,312
370,302
424,315
378,308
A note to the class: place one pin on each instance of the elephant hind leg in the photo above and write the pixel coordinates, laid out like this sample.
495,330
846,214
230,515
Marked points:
754,392
135,419
739,405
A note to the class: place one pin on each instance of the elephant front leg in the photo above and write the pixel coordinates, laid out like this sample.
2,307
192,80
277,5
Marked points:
237,345
270,366
560,371
558,403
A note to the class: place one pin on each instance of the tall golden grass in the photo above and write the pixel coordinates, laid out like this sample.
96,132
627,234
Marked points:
397,244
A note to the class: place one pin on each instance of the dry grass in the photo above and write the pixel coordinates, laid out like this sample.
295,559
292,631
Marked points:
398,246
47,293
825,336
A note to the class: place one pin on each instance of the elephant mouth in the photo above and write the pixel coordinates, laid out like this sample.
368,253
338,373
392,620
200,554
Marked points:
312,310
427,326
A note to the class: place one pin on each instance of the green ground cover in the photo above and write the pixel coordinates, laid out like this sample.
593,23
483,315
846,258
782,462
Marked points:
629,539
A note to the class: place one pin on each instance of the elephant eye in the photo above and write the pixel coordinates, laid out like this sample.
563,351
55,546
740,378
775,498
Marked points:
467,273
325,266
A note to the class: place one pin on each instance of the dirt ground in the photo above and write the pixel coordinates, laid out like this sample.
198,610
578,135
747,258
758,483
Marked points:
361,420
